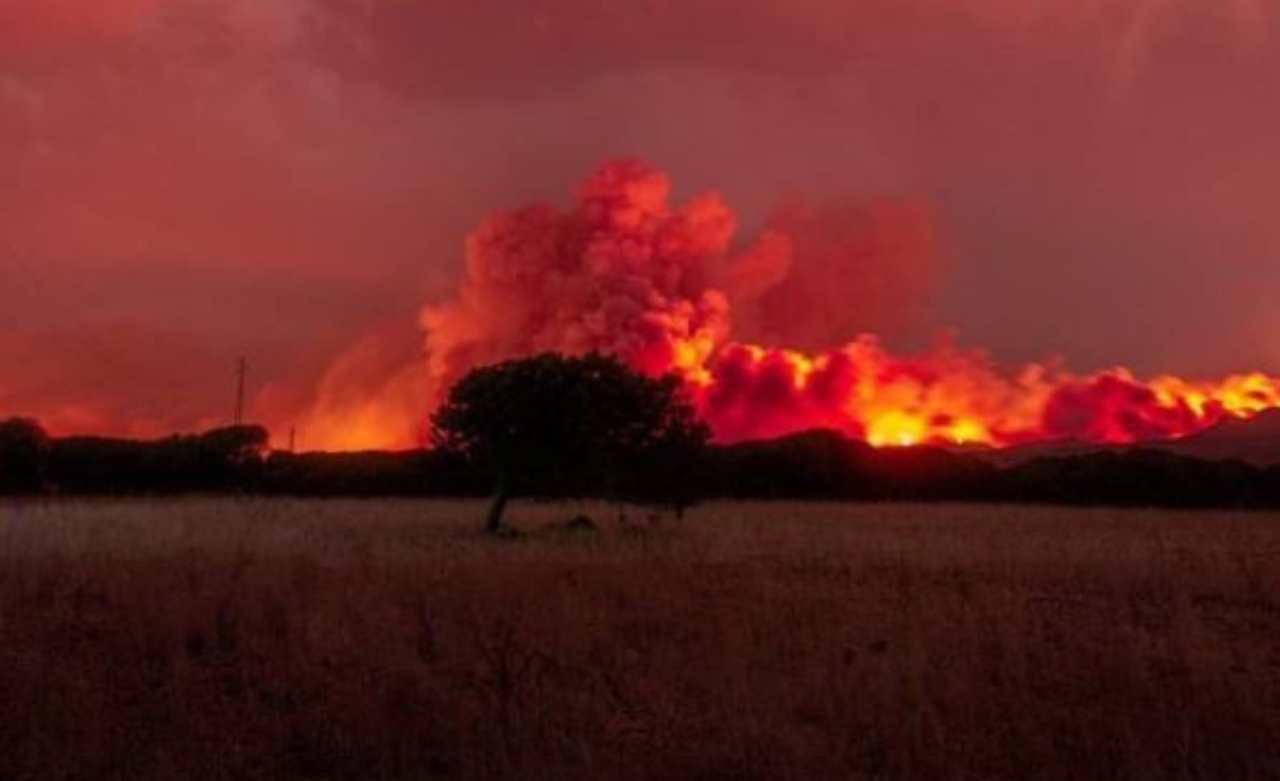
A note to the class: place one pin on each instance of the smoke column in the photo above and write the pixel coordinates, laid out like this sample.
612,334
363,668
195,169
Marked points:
624,271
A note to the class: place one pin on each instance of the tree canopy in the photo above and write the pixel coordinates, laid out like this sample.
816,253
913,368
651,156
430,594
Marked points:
24,455
555,425
222,459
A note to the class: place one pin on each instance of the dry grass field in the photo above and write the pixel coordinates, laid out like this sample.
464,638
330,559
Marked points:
224,638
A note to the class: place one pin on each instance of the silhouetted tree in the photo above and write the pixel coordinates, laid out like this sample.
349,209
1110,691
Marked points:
232,455
24,455
553,425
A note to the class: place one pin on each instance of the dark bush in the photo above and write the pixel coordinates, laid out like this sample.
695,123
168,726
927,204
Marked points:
24,456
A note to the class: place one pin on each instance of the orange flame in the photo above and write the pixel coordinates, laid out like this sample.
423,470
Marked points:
625,272
947,397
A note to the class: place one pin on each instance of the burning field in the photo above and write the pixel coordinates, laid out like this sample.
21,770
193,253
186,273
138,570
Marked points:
668,286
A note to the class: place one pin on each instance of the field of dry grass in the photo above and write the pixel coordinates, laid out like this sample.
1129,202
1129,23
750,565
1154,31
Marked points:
223,638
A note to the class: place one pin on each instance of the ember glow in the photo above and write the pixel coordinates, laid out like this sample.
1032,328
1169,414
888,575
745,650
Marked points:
627,272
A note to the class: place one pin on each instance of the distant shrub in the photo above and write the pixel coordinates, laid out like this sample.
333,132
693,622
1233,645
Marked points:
222,459
24,456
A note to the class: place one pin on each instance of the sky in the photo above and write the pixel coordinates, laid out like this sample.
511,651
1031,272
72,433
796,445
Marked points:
183,182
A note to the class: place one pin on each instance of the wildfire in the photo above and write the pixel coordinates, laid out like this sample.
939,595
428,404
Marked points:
625,272
956,398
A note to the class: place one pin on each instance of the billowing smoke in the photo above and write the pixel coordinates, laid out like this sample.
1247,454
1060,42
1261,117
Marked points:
623,272
823,271
626,272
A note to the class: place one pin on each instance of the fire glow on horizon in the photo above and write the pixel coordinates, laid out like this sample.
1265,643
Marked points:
1076,184
626,273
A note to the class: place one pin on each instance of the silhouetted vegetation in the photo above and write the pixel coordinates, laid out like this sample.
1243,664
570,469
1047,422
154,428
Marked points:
552,427
371,473
225,459
1140,478
24,456
555,426
826,465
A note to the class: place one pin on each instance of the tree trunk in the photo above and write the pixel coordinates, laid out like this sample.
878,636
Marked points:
494,524
500,497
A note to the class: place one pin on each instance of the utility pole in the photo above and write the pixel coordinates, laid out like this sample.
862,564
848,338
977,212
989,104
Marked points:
293,437
242,367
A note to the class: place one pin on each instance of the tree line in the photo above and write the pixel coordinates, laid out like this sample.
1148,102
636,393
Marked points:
553,426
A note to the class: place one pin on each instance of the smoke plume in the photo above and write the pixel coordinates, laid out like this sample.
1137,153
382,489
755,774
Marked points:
626,272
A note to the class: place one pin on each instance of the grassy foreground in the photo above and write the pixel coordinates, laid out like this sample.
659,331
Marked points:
220,638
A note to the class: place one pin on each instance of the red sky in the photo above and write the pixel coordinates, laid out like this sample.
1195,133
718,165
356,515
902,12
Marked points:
186,181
